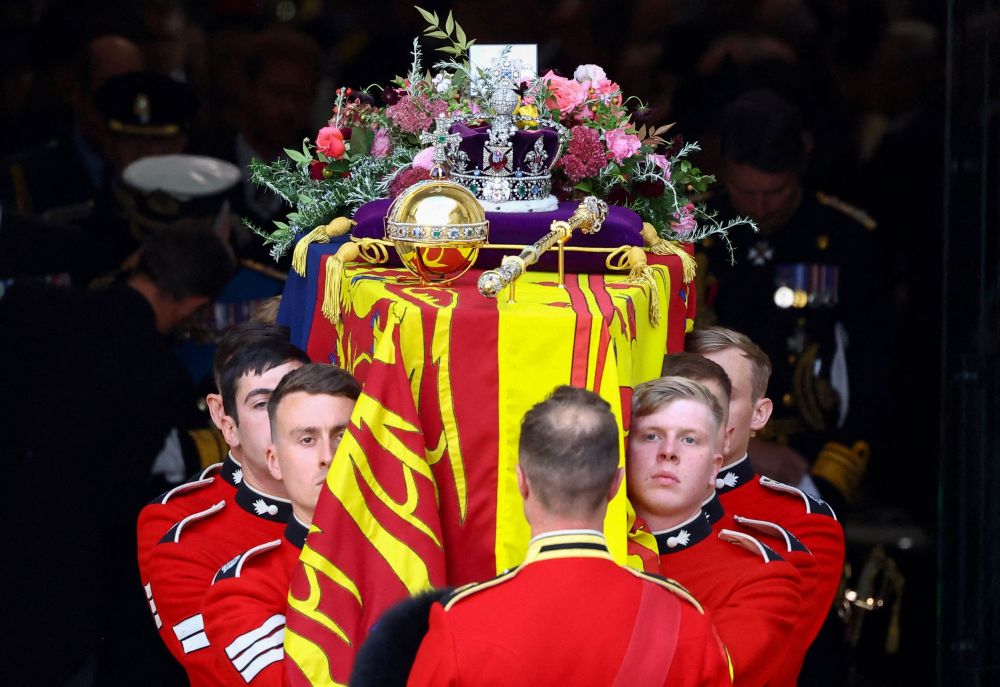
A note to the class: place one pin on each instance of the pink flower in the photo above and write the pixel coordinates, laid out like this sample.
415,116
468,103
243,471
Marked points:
330,142
424,159
381,144
608,92
621,145
566,94
686,223
662,162
405,179
589,72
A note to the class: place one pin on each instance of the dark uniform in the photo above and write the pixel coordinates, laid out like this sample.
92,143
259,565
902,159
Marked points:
245,610
92,391
184,562
751,594
569,615
808,294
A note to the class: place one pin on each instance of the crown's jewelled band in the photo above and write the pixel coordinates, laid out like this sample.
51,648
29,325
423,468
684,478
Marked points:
496,189
428,232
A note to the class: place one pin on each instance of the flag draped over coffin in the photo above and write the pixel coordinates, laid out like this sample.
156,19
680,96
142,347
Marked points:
422,491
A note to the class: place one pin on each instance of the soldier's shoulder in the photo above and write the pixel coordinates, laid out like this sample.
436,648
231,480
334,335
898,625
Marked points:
174,534
234,567
810,504
672,586
465,592
852,214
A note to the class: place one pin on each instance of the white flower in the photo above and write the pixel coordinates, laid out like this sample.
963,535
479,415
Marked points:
442,82
237,475
589,72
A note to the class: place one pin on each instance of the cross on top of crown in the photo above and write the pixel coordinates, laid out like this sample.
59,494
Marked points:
505,71
440,139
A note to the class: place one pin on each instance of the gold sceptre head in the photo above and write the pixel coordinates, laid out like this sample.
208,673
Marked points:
588,218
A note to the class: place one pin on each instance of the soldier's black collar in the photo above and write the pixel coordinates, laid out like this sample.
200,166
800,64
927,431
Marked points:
296,532
683,536
736,475
263,505
713,510
567,544
231,472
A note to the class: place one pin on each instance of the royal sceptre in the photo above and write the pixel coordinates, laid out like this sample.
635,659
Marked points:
588,218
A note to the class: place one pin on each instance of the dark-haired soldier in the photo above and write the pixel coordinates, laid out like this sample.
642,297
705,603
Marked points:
569,615
94,391
805,290
217,482
181,565
245,608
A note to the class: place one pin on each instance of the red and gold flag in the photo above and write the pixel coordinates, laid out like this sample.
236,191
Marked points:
422,491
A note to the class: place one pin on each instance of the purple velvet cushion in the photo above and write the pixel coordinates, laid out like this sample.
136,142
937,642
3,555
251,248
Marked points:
623,227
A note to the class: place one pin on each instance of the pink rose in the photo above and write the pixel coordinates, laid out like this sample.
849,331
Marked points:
381,144
424,159
566,94
663,163
330,142
621,145
589,72
607,91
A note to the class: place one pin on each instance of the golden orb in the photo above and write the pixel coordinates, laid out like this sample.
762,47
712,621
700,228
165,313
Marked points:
437,227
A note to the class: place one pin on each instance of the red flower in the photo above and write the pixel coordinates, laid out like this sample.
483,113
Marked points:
316,169
330,142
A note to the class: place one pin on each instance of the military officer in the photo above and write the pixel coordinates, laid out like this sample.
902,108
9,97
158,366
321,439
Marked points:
577,599
245,608
805,289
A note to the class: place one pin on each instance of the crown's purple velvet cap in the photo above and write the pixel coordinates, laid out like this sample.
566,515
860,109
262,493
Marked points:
474,138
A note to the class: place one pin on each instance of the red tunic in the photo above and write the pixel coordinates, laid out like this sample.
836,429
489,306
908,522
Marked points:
810,522
184,562
213,484
569,615
245,611
752,595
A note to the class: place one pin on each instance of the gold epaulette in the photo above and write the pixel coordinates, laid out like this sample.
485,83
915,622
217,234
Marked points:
470,589
672,585
857,214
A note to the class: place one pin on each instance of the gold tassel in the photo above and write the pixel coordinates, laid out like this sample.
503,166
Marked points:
334,273
321,234
642,273
660,246
843,466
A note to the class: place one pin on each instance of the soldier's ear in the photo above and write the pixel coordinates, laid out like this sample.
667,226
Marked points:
229,430
762,409
616,483
522,484
271,458
215,411
716,466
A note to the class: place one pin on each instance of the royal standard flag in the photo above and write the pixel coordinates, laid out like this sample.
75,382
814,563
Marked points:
422,491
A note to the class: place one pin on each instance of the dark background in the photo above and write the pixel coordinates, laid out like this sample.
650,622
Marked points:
900,99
